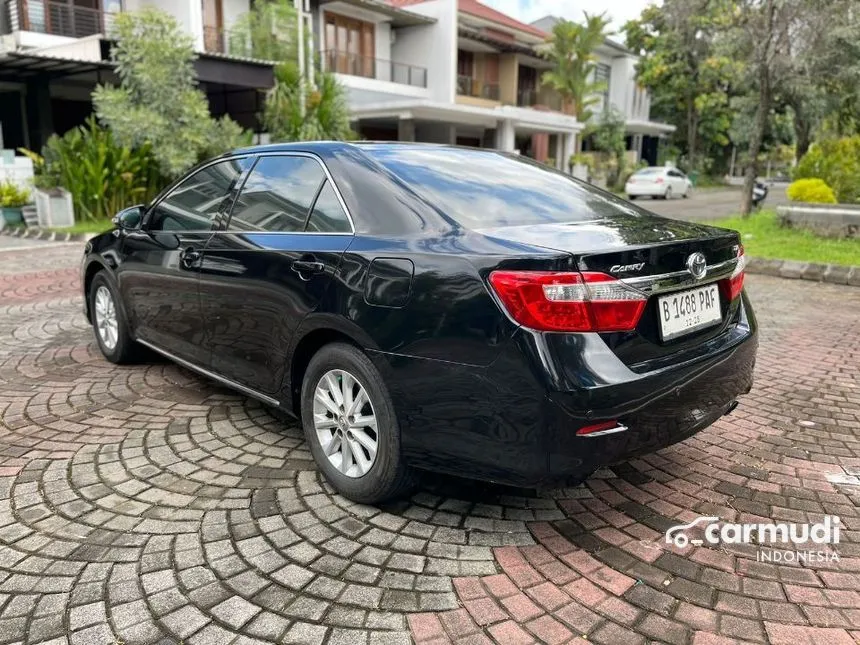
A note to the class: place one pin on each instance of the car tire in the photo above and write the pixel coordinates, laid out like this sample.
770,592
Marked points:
331,429
109,323
631,197
668,193
686,193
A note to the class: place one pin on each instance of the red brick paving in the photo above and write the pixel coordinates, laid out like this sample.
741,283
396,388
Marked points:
135,500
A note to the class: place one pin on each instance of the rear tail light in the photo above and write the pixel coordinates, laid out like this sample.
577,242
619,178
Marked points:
574,302
733,285
659,180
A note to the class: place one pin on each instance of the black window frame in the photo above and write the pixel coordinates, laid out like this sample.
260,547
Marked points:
216,221
327,178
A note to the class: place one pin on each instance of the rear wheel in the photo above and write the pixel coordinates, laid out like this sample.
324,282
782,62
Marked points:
349,422
668,193
109,323
631,197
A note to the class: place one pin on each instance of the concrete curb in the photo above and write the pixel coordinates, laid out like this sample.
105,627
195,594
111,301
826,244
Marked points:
830,273
51,236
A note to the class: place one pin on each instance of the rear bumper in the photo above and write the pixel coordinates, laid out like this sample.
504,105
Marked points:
515,421
678,403
644,190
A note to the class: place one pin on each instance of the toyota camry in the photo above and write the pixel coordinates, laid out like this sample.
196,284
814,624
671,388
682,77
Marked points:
430,307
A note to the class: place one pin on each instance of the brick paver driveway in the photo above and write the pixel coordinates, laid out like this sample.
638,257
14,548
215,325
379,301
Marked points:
144,505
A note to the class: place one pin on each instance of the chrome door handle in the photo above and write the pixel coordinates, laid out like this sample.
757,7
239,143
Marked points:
307,267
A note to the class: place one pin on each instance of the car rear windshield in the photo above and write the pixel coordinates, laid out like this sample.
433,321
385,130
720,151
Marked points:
648,171
486,189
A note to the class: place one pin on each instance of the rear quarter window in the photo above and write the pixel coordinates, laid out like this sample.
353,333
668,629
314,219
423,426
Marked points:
485,189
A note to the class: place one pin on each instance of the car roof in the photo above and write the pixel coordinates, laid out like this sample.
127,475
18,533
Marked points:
334,146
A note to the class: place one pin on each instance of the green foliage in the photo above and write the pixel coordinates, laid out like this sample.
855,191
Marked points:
574,62
836,162
11,196
326,115
609,136
268,32
157,103
295,108
690,79
810,191
763,237
102,176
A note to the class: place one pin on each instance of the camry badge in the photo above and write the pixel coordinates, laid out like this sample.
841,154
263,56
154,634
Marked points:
697,265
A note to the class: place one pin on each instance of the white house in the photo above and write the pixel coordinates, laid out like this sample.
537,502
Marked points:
616,65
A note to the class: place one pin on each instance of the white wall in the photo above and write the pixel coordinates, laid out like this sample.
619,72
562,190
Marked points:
232,10
433,47
189,14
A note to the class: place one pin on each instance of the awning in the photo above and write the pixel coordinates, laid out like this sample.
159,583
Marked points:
21,66
652,128
398,17
249,73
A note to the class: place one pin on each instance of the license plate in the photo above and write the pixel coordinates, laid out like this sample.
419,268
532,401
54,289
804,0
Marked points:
686,311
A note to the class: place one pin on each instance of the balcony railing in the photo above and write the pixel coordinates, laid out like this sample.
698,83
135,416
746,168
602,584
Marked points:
528,97
56,18
382,70
468,86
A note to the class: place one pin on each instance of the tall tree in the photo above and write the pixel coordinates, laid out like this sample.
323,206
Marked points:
760,33
572,54
690,82
158,102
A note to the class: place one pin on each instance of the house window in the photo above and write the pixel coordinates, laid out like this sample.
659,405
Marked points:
350,45
603,74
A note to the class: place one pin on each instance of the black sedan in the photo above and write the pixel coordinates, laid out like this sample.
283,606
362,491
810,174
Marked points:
431,307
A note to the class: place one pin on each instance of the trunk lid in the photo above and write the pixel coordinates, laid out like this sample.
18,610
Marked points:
637,248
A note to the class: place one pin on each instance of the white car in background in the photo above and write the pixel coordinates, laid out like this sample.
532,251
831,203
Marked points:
658,181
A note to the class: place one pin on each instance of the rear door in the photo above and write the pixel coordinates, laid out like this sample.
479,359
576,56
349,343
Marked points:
678,182
160,284
270,267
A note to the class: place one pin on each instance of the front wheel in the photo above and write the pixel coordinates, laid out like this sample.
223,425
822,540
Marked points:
109,322
349,422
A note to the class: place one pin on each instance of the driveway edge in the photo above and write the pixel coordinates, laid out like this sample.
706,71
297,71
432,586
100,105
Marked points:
792,269
42,234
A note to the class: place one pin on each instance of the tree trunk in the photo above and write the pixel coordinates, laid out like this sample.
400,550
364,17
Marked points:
802,133
692,126
760,122
756,140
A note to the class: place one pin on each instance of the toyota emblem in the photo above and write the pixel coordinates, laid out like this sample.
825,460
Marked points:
697,265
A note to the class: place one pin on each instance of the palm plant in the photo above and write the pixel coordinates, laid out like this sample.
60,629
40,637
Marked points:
571,52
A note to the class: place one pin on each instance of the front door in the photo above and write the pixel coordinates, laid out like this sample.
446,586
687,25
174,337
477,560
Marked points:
213,26
160,284
270,268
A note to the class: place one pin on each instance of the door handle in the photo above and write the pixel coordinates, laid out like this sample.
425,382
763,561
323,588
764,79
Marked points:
307,267
189,257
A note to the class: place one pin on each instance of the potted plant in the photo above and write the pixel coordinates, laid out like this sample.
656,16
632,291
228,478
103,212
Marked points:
12,199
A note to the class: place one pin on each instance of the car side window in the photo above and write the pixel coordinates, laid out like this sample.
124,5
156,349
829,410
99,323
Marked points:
196,201
328,215
277,195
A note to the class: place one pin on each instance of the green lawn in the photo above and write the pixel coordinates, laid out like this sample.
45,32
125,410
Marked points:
763,237
85,227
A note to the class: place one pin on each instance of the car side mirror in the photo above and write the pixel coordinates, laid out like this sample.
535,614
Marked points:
129,219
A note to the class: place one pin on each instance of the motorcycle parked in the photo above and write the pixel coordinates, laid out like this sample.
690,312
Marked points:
759,194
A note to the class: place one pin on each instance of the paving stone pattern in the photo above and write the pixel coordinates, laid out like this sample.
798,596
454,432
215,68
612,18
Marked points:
144,505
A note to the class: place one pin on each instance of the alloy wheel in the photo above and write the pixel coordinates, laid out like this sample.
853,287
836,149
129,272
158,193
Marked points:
345,423
106,320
